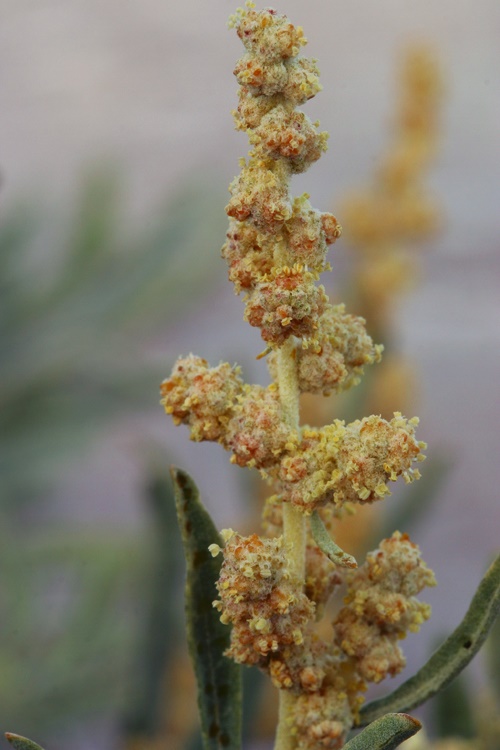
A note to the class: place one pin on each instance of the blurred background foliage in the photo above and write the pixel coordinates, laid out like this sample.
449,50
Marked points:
75,322
77,604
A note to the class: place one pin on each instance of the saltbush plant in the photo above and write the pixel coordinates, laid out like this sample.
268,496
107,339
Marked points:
258,600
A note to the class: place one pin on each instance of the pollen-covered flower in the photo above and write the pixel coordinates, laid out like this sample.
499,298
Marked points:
261,600
350,463
268,34
291,135
288,304
335,363
380,607
323,719
309,232
247,254
257,434
259,195
201,396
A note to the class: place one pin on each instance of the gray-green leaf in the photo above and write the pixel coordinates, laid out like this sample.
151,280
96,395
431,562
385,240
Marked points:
449,660
385,733
328,546
218,678
21,743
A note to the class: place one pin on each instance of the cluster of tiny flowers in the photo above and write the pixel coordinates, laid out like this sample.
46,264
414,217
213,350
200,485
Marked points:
275,245
201,396
336,464
288,303
275,249
380,607
217,405
257,434
266,608
324,718
272,618
336,361
350,463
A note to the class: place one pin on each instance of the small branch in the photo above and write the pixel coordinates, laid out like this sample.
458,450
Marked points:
294,533
284,739
328,546
288,383
294,527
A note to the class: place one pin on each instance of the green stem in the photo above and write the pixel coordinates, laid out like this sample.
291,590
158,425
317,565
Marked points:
294,527
284,739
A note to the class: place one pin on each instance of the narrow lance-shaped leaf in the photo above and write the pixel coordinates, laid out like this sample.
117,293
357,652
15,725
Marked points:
385,733
218,678
21,743
493,659
449,660
328,546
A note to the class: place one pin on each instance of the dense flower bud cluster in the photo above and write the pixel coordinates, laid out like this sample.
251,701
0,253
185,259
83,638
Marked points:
335,363
324,718
276,246
284,133
336,464
380,607
246,255
262,601
350,463
201,396
217,405
289,304
309,232
268,34
261,196
257,434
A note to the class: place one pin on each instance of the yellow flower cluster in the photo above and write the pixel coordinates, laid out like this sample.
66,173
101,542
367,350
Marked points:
272,627
380,607
219,406
336,464
276,246
335,363
324,718
268,611
201,396
271,590
350,463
